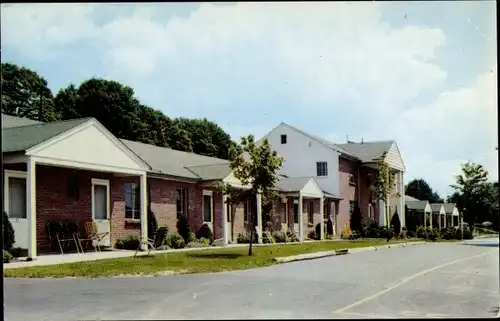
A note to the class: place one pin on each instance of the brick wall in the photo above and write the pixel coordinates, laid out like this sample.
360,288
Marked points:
348,192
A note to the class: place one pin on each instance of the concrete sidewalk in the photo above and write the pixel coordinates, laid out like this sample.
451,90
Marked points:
318,255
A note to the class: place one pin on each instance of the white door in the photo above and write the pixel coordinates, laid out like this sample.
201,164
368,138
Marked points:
208,209
100,209
15,206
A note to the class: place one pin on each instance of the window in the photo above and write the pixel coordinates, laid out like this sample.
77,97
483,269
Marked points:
182,202
132,201
351,206
370,210
248,210
311,212
207,209
283,139
352,177
72,187
17,197
321,169
295,213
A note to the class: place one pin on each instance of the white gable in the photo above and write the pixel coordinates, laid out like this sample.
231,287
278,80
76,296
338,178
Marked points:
312,189
233,181
394,159
90,144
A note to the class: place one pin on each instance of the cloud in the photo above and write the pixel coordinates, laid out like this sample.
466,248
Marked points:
328,67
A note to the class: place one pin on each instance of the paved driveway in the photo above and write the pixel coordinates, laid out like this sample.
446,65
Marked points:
433,280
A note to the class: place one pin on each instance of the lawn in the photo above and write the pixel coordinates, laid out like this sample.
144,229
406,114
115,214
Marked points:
190,261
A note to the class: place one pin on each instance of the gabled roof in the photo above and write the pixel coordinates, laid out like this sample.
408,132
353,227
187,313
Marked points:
448,207
292,184
368,151
417,205
12,121
22,138
180,164
436,207
320,140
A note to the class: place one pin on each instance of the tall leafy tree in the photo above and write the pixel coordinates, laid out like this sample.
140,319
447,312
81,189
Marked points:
207,137
383,185
472,188
65,102
421,190
259,172
26,94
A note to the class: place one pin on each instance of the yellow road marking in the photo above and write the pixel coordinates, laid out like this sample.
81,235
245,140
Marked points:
406,280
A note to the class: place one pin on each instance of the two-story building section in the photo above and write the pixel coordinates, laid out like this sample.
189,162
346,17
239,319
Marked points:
343,171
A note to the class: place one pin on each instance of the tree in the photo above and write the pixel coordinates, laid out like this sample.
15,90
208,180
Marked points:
355,220
259,173
396,223
179,140
207,137
383,185
65,103
26,94
471,186
419,189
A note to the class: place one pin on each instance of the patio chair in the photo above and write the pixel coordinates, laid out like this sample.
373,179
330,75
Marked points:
64,233
90,234
158,240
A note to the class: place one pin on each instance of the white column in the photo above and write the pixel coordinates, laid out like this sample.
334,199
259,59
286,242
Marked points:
31,206
224,219
402,214
259,217
322,219
144,210
301,222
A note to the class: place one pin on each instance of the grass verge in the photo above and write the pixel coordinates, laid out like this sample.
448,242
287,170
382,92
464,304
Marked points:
190,261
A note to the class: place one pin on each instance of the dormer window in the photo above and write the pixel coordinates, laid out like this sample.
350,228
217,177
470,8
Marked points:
283,139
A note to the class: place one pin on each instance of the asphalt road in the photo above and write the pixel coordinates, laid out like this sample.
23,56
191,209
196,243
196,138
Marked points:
440,280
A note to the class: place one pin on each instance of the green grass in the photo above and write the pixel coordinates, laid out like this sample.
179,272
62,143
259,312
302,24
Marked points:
190,261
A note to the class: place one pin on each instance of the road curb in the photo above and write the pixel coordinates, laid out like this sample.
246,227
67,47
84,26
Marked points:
319,255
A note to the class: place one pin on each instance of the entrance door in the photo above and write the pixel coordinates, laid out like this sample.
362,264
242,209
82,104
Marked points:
296,217
208,209
15,206
100,209
228,222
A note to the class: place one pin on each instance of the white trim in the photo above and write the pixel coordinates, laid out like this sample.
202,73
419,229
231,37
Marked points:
143,189
7,175
31,206
88,166
211,195
35,149
169,178
101,182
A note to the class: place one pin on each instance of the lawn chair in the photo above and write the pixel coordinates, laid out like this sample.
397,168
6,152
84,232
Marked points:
90,234
157,241
66,234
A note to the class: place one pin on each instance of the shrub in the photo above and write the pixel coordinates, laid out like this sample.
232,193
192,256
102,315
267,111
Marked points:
196,244
411,234
311,235
467,235
422,232
152,224
183,227
175,241
279,237
205,232
191,237
346,232
130,242
458,234
370,228
245,238
355,221
6,256
204,241
18,252
8,233
329,227
433,234
396,223
448,233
